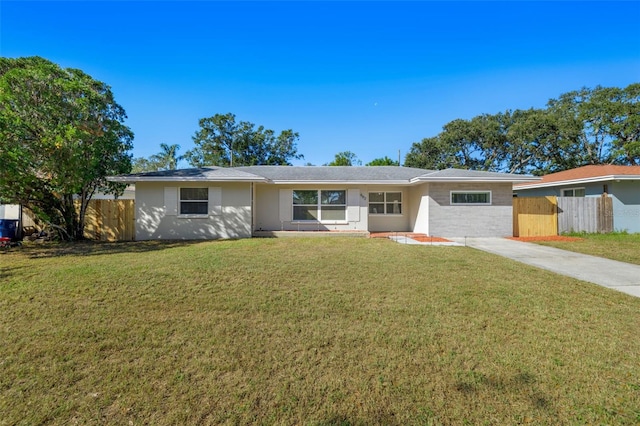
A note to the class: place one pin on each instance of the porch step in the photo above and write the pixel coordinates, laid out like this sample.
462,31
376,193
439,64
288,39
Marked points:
298,234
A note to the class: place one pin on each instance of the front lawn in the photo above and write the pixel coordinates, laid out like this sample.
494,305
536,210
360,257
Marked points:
616,246
335,331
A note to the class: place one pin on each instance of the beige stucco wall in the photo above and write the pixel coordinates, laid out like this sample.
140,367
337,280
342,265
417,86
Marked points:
419,211
390,223
267,214
152,222
268,217
446,220
425,208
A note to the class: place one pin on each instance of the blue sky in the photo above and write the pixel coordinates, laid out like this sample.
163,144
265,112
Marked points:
368,77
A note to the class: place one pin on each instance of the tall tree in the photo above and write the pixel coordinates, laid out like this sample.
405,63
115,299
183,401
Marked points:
588,126
538,143
345,158
61,135
167,158
603,123
221,141
431,154
144,164
384,161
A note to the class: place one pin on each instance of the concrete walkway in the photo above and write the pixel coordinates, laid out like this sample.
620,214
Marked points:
624,277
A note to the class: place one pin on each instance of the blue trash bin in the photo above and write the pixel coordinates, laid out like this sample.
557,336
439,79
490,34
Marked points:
9,228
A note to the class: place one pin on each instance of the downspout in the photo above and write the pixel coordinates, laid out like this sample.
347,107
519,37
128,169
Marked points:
253,208
19,235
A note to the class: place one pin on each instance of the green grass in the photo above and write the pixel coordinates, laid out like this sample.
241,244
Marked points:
333,331
617,246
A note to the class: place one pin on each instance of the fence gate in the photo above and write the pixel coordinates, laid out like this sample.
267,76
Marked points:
110,220
535,217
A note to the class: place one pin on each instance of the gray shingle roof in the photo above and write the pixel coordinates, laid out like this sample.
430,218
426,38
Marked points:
335,173
320,174
470,174
203,173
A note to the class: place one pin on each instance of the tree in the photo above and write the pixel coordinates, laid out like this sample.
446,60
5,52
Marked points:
144,164
430,154
385,161
345,158
166,159
537,143
61,135
599,126
603,123
223,142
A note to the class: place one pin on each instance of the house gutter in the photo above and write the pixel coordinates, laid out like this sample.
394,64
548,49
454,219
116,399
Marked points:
474,179
576,181
134,179
340,182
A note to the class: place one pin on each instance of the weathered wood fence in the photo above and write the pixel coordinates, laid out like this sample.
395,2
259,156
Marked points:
544,216
110,220
585,214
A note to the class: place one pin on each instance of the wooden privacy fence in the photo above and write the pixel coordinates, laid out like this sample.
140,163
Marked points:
544,216
110,220
535,217
585,214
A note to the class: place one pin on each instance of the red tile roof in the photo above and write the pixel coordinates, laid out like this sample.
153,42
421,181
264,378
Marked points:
586,172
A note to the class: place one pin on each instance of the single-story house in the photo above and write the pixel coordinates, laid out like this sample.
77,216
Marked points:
621,183
240,202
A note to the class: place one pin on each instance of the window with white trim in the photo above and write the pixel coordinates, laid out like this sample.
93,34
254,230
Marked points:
471,198
385,203
573,192
320,205
194,201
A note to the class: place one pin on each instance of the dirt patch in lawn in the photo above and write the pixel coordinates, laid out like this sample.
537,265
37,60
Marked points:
430,239
547,238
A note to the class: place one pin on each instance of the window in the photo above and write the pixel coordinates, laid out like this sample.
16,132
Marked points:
194,201
321,206
478,198
385,203
573,192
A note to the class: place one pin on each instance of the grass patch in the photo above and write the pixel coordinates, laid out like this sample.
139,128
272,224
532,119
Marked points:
335,331
617,246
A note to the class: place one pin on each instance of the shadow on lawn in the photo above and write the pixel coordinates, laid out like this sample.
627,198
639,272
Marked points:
93,248
8,271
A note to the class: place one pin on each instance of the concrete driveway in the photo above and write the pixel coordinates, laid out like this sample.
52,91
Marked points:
624,277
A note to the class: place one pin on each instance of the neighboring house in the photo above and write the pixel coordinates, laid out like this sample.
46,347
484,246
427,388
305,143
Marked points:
239,202
621,183
9,211
13,213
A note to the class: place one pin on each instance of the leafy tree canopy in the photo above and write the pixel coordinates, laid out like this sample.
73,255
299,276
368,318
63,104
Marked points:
61,135
221,141
588,126
345,158
384,161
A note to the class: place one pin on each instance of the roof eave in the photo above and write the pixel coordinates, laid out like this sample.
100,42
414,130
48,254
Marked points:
339,182
506,179
134,179
577,181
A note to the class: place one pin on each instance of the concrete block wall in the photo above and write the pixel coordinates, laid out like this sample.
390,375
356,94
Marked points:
495,220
